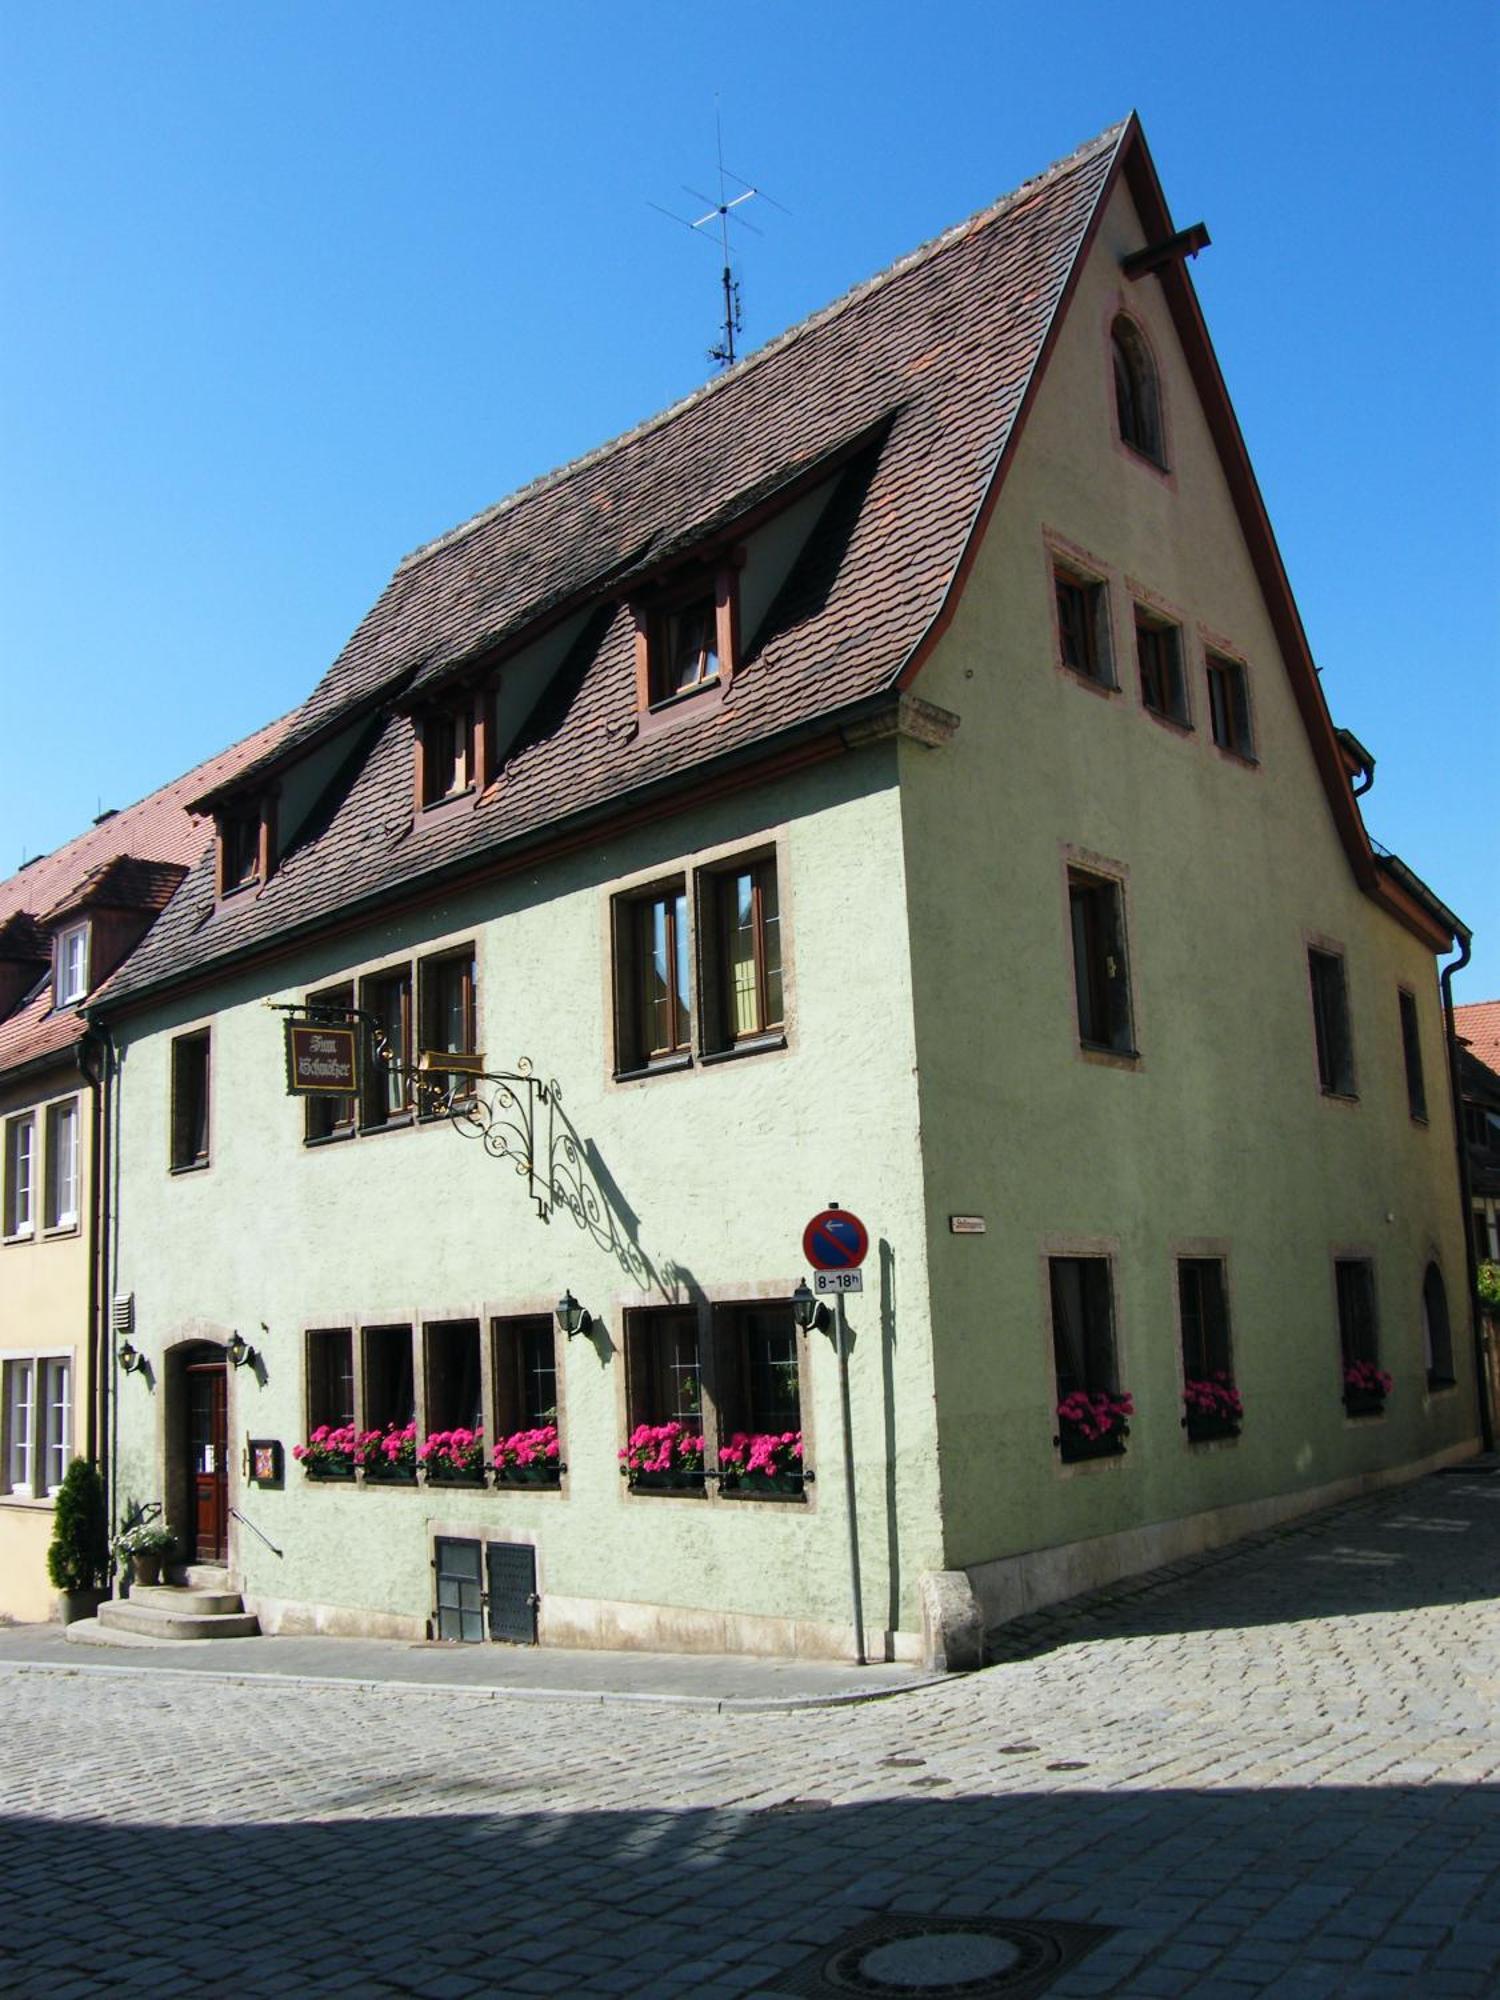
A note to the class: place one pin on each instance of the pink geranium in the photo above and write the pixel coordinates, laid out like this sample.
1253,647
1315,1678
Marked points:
332,1447
459,1450
663,1448
527,1451
1097,1414
1213,1396
1363,1378
768,1452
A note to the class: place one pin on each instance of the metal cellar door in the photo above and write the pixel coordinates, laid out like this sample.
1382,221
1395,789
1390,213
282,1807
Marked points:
513,1599
460,1589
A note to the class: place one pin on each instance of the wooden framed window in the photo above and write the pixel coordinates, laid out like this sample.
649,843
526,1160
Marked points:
70,971
330,1377
1330,1005
1359,1345
526,1382
455,1395
190,1101
1137,392
20,1176
330,1117
445,747
1411,1051
653,979
1437,1330
687,635
1081,1296
1203,1303
36,1423
245,833
1083,626
663,1367
1101,977
1229,706
61,1209
386,1061
1158,649
741,915
448,1015
390,1399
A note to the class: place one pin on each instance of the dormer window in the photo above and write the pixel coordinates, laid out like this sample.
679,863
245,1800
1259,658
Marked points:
244,840
70,976
453,748
685,637
1137,398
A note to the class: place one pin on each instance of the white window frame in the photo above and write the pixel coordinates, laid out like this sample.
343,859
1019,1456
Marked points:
47,1431
61,1197
72,982
20,1190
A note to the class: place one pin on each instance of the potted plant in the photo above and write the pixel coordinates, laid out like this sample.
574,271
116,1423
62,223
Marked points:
1093,1423
453,1458
664,1457
145,1547
1213,1407
761,1462
78,1559
389,1457
528,1458
330,1453
1365,1388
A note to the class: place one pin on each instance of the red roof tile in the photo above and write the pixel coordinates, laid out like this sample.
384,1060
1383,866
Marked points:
1478,1023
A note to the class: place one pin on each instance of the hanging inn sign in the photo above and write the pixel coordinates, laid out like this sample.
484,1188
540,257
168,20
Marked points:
322,1058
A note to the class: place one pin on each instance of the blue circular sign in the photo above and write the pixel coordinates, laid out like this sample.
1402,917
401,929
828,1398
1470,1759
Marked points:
835,1241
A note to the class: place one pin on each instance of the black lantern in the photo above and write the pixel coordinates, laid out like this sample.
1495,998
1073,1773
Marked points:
804,1307
240,1351
571,1316
130,1359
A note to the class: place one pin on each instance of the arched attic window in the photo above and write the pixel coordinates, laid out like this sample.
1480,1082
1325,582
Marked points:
1437,1333
1137,397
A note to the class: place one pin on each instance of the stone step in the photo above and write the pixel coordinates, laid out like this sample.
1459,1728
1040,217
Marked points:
179,1597
89,1632
201,1576
156,1623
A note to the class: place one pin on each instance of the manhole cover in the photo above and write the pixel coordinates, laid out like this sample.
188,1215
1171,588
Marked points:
927,1958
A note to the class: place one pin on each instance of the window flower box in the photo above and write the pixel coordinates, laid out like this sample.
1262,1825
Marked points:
1093,1424
528,1458
765,1462
332,1452
1214,1408
1365,1389
453,1458
390,1457
663,1458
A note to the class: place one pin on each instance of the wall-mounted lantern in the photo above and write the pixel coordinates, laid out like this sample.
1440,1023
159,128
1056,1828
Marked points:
571,1316
240,1352
130,1356
809,1311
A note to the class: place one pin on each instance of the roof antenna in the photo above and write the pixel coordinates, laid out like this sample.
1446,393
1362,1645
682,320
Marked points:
720,212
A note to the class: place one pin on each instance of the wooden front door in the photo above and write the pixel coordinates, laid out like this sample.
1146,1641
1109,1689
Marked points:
208,1458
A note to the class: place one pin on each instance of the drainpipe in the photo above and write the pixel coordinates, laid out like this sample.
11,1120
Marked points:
88,1054
1465,1188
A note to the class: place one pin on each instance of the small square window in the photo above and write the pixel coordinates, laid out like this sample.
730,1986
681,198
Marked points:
71,974
1158,647
1411,1050
1101,977
386,1065
1330,1002
20,1176
1229,707
653,979
61,1210
685,636
1083,626
687,648
190,1100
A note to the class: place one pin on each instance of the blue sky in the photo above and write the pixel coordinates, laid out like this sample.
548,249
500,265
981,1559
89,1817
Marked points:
286,290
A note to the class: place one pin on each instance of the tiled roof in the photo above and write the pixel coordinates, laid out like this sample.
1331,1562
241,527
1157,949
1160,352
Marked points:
1478,1023
132,859
930,361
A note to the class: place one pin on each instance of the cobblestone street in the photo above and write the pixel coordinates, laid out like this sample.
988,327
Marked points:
1272,1771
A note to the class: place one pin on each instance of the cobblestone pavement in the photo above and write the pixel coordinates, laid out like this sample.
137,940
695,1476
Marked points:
1274,1772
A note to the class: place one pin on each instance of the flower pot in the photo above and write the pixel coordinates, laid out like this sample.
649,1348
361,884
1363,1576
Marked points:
1364,1403
328,1471
454,1475
382,1473
666,1482
782,1485
146,1567
75,1604
1074,1445
1206,1429
528,1475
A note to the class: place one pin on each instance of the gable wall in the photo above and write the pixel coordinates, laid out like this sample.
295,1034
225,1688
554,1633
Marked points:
1220,1135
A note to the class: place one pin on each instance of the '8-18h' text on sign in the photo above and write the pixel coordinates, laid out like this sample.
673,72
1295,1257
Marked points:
838,1281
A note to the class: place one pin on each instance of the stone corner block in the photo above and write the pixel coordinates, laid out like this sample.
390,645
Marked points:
952,1623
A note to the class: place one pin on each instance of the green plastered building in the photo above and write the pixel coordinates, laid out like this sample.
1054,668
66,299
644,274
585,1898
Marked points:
895,776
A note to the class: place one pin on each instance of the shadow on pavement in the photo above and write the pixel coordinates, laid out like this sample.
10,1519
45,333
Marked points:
445,1903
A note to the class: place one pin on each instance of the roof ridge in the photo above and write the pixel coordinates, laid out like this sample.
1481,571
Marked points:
864,288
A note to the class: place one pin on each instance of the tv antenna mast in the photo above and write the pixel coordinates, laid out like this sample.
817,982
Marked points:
718,214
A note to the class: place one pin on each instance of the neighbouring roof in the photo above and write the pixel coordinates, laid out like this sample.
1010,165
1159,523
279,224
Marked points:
131,860
1478,1024
913,385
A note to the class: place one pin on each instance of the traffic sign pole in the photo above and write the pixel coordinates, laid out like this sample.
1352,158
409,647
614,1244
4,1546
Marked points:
843,1350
